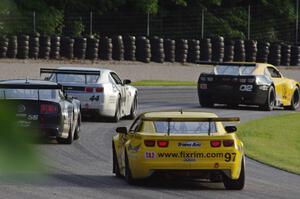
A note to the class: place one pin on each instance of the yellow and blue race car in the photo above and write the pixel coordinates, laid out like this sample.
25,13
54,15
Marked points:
181,144
248,83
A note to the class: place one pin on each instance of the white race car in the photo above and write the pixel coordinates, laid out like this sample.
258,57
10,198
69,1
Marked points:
100,91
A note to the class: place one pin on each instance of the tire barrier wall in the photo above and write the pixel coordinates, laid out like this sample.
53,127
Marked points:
156,49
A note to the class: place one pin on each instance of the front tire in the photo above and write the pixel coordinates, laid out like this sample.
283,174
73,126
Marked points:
235,184
271,99
295,102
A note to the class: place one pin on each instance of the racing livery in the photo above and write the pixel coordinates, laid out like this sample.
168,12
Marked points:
100,91
42,108
250,84
180,144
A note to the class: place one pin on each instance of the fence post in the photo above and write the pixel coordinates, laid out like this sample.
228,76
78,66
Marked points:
91,22
148,23
297,16
33,18
249,21
202,23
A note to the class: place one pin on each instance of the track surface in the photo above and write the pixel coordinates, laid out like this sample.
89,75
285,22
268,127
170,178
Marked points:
83,170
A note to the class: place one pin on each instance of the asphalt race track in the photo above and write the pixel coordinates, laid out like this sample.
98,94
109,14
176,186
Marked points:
83,169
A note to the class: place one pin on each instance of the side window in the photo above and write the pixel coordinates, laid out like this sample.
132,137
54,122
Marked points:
267,73
274,73
116,78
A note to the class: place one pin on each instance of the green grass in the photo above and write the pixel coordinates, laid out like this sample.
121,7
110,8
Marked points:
274,140
163,83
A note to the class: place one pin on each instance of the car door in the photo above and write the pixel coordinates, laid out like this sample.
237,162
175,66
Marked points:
118,84
279,82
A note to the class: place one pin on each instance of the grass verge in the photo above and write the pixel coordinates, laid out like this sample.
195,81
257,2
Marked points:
163,83
274,140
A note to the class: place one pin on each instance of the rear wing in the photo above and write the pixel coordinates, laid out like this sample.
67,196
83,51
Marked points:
178,119
68,71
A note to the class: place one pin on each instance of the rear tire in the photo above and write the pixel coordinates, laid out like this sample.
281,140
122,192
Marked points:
205,101
271,99
235,184
295,102
133,110
77,130
128,174
67,140
117,116
116,169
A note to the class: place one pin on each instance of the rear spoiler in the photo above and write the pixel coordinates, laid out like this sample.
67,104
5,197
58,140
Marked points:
67,71
216,119
31,86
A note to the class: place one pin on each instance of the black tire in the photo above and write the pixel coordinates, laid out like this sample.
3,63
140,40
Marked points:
116,169
128,174
271,100
235,184
117,115
205,102
77,130
295,102
133,111
68,140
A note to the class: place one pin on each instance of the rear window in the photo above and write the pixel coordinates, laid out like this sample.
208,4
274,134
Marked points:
233,70
28,94
73,78
185,127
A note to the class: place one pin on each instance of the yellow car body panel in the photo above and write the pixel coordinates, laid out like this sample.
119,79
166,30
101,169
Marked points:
191,152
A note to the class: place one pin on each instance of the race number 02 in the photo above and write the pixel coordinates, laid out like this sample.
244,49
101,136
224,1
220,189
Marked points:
247,88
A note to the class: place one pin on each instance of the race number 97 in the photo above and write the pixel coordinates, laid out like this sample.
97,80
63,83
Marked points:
229,157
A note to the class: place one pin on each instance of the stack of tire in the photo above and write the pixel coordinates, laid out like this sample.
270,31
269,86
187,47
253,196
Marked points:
229,51
239,50
92,48
106,48
45,47
285,54
118,48
206,50
295,55
218,49
23,46
263,50
251,50
169,48
12,49
55,47
193,51
34,45
67,47
129,48
181,50
157,49
80,46
3,46
275,54
143,49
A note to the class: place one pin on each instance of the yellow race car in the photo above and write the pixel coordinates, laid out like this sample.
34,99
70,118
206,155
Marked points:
181,144
248,83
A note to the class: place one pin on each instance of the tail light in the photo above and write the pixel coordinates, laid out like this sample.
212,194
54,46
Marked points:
210,79
163,143
203,78
251,80
89,89
243,80
48,108
228,143
215,143
99,90
149,143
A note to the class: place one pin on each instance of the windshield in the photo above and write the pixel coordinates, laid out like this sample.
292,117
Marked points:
28,94
233,70
74,78
185,127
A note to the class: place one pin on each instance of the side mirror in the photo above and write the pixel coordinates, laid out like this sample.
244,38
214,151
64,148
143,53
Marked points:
126,81
230,129
121,130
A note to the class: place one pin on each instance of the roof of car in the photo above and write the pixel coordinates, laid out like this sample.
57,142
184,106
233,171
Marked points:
28,82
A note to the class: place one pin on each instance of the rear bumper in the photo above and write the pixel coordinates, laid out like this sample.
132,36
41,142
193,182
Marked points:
255,97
